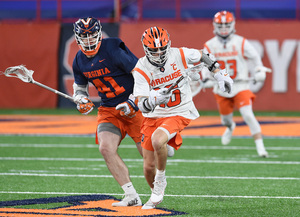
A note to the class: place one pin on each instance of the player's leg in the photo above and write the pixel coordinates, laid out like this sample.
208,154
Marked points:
253,124
226,106
170,150
154,167
155,152
109,138
227,120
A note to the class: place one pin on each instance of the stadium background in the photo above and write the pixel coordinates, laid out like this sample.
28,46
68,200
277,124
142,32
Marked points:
38,34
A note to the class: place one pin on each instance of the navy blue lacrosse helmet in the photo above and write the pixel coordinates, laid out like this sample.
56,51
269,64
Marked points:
88,35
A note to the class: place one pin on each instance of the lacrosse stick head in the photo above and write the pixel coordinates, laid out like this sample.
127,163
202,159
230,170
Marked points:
20,72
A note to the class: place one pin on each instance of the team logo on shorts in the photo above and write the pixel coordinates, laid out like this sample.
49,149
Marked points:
83,205
143,137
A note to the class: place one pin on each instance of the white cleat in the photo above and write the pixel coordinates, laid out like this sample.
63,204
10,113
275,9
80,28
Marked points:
157,195
226,137
261,151
149,205
171,151
129,200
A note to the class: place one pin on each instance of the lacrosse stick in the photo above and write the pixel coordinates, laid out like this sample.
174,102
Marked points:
25,75
173,85
194,69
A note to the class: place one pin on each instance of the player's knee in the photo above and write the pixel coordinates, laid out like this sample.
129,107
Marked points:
157,143
105,149
149,168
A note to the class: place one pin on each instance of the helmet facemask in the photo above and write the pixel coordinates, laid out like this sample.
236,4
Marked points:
156,44
88,35
224,24
158,56
224,29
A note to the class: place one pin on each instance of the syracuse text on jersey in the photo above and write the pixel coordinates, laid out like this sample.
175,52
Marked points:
167,78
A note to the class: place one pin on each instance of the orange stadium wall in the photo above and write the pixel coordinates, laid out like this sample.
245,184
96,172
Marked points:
278,42
36,46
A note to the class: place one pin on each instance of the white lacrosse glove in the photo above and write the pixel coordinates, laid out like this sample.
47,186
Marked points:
159,97
260,73
224,80
84,104
129,107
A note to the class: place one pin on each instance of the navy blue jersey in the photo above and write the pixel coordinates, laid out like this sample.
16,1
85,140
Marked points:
109,71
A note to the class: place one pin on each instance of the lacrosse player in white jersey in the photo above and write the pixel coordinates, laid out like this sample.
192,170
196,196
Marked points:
166,113
232,51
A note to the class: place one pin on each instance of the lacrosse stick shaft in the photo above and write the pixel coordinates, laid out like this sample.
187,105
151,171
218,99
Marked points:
53,90
173,85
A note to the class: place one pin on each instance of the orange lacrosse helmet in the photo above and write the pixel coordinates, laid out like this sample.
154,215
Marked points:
224,24
156,43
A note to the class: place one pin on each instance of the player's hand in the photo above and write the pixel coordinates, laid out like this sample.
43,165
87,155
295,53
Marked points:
159,97
260,73
224,80
84,104
129,107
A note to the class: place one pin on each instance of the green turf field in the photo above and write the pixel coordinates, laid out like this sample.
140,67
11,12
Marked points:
204,177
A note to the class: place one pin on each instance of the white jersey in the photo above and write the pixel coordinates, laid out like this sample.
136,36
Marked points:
148,77
233,56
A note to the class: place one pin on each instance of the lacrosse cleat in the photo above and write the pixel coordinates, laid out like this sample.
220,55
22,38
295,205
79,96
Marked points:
226,137
171,151
261,151
149,205
129,200
157,194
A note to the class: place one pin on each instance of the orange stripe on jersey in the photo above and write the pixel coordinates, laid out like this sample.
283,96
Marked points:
143,74
183,58
205,45
243,44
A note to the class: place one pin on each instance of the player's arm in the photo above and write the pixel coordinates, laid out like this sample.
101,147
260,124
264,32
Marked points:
221,76
259,70
148,99
81,98
80,92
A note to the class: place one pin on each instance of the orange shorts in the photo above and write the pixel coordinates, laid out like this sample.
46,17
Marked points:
172,124
130,126
226,105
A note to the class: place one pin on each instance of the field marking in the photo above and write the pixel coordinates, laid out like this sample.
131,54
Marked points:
141,160
166,195
142,176
127,146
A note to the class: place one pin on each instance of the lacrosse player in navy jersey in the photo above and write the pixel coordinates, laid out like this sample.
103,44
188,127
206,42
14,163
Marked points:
107,64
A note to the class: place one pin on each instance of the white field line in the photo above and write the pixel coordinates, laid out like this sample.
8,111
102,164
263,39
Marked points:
136,176
166,195
127,146
141,160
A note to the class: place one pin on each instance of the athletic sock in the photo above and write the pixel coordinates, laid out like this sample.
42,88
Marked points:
259,142
128,188
160,175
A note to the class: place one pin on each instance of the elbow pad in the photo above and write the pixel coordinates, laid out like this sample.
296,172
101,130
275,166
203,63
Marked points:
210,61
80,90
